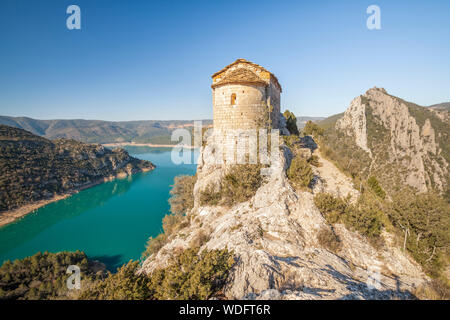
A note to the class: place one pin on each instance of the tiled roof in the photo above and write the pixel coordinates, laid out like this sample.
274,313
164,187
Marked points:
247,74
240,75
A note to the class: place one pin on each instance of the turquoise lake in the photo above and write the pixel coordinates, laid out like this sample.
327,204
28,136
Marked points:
110,222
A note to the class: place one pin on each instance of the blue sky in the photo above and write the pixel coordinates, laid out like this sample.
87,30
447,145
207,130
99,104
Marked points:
135,60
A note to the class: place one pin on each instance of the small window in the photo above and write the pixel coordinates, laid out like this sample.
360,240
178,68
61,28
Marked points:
233,99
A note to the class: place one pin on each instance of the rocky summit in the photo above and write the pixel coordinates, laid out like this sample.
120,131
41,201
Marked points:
404,144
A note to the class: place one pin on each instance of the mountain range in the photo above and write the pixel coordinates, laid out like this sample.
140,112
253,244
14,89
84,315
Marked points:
98,131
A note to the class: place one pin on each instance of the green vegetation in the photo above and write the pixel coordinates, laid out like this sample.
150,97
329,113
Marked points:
314,161
238,185
300,173
182,194
34,168
43,275
210,197
192,276
171,223
365,216
125,284
376,188
181,201
329,122
424,222
331,207
97,131
154,245
342,150
420,221
312,129
421,114
291,122
189,275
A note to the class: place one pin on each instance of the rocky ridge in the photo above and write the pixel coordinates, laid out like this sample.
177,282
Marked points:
274,237
407,144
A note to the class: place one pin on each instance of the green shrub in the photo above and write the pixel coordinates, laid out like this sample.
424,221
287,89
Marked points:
300,173
291,141
314,161
154,245
238,185
426,219
291,122
241,183
182,194
375,186
209,196
331,207
191,275
43,275
174,222
125,284
364,216
171,223
312,129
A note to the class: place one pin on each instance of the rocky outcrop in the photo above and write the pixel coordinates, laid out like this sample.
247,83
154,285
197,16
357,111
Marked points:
354,123
400,138
274,237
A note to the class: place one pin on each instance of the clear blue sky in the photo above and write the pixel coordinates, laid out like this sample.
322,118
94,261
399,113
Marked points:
153,60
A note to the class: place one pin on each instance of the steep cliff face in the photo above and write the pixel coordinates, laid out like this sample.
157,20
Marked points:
275,240
406,144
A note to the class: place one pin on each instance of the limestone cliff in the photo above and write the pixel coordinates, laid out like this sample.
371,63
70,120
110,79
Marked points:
406,144
274,237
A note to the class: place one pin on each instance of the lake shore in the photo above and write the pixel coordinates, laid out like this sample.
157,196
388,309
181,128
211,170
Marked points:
151,145
10,216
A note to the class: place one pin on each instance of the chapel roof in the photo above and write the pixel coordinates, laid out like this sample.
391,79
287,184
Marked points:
243,75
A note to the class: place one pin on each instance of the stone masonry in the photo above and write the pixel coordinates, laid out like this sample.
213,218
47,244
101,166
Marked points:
245,97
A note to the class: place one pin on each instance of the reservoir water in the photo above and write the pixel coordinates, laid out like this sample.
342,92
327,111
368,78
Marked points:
110,222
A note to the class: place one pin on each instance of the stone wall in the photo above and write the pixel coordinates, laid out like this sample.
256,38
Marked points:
249,107
255,105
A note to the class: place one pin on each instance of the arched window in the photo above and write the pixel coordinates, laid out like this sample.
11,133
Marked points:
233,99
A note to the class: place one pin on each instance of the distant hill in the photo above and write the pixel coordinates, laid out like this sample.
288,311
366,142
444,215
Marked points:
98,131
301,121
33,168
444,105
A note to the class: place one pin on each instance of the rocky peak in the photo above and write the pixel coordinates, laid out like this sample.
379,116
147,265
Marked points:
395,132
376,89
274,237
